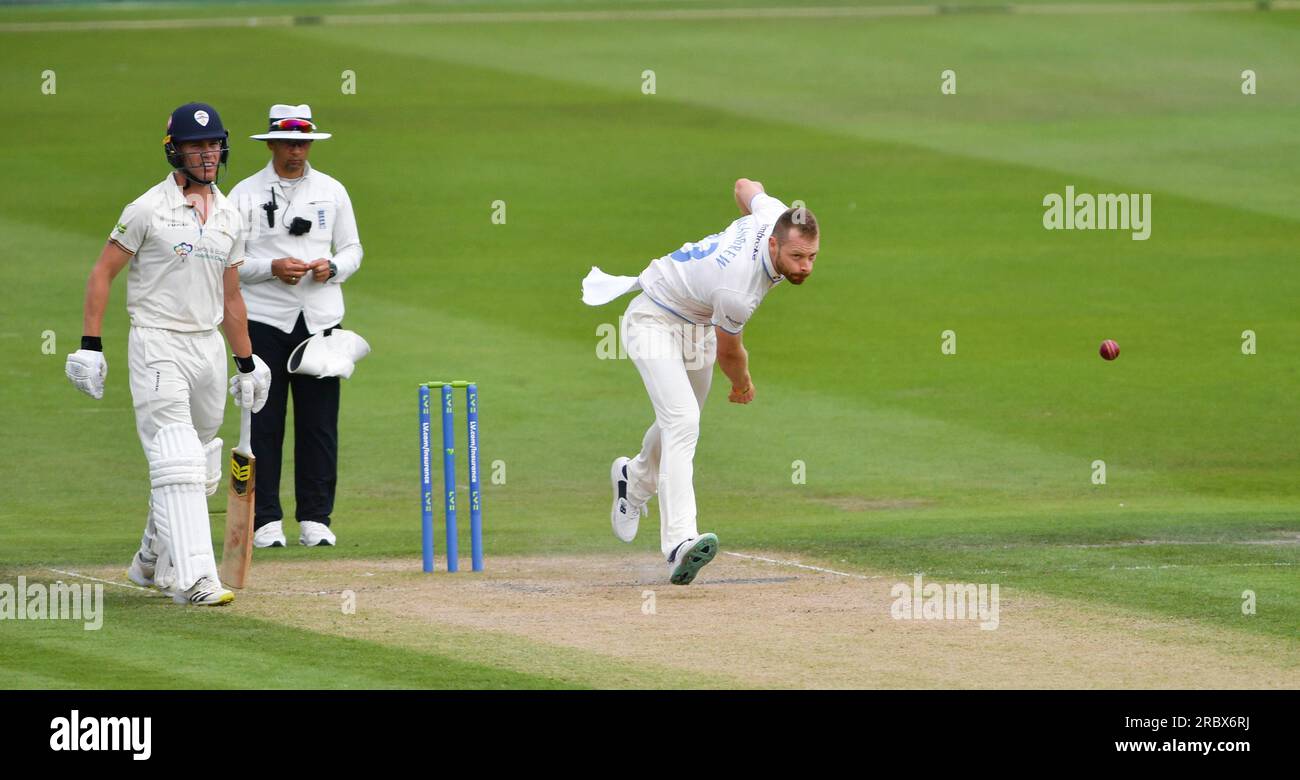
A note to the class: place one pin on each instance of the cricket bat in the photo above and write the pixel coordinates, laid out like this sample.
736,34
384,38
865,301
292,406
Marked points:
237,554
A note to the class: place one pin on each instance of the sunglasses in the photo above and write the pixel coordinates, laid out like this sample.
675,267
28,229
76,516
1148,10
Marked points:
301,125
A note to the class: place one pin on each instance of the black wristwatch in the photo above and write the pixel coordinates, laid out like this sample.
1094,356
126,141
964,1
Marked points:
334,271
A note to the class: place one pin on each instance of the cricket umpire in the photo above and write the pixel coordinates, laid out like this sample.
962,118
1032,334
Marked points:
301,247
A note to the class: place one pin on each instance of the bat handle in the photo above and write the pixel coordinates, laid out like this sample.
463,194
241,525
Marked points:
245,431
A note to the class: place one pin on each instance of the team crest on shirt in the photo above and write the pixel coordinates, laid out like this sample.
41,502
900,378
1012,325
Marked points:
183,250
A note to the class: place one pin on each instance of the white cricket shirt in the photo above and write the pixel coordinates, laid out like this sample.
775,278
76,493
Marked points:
174,280
323,201
720,279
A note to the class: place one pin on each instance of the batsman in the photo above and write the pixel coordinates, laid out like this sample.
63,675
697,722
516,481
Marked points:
692,309
183,242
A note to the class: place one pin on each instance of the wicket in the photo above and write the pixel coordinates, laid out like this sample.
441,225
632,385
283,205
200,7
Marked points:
449,473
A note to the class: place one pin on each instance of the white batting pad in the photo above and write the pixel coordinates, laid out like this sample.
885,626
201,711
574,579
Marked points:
177,468
212,452
148,540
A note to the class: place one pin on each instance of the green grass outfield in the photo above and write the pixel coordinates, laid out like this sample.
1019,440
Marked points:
973,467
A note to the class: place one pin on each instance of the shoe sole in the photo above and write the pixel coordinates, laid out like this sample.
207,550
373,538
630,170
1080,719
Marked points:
225,599
321,543
694,558
268,546
615,473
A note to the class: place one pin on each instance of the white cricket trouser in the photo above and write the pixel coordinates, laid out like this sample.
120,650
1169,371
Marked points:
675,358
176,378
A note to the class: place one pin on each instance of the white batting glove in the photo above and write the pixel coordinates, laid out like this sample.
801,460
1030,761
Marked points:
87,370
261,383
251,390
241,388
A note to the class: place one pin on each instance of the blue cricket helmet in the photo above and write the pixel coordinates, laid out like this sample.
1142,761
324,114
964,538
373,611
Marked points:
194,122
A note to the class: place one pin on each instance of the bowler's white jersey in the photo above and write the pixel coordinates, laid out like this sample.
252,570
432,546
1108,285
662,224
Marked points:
720,279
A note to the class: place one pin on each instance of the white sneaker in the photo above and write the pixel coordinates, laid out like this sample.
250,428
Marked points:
269,535
141,572
623,516
205,592
314,534
689,557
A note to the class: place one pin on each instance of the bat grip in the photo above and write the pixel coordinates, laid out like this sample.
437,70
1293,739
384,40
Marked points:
245,431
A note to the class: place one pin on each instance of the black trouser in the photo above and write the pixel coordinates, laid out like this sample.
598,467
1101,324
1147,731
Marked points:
315,430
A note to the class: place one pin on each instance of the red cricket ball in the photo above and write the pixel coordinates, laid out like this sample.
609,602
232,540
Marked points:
1109,349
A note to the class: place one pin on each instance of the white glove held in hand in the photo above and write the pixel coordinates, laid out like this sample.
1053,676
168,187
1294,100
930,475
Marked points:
250,390
87,370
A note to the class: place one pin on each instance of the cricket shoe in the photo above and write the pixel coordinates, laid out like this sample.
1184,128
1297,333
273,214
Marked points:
141,571
623,516
314,534
205,592
689,557
269,535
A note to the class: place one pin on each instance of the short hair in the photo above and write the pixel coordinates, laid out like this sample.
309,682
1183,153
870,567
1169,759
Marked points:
800,219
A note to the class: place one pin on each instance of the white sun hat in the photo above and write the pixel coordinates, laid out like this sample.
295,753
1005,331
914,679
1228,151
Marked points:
291,123
335,354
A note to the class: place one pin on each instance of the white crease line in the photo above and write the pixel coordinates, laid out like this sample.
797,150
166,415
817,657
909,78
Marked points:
96,579
642,15
798,565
